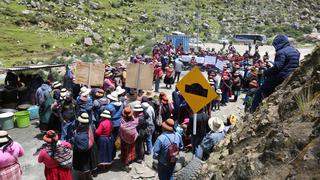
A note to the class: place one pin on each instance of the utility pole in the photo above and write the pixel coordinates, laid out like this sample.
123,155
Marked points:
198,29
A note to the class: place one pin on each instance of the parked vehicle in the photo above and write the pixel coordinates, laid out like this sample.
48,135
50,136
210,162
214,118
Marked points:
251,39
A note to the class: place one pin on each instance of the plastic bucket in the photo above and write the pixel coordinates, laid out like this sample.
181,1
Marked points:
34,112
22,119
6,121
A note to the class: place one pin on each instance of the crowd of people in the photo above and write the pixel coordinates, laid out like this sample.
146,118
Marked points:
85,127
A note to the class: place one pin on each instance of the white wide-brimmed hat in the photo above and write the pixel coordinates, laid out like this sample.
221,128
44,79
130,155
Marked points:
216,124
84,91
56,84
4,137
119,90
105,114
113,96
63,92
84,118
137,108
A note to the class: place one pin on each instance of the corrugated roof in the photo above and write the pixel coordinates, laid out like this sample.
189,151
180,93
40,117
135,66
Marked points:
33,67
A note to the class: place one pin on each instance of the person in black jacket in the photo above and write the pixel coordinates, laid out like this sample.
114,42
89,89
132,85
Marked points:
285,62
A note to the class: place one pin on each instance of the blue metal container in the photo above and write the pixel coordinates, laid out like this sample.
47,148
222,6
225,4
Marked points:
177,39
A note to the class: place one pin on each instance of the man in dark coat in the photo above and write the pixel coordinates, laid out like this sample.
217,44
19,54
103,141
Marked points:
285,62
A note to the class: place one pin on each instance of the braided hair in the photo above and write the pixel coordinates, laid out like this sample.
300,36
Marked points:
6,145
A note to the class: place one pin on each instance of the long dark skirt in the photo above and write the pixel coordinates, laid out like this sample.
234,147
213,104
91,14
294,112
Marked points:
168,80
85,161
140,149
105,146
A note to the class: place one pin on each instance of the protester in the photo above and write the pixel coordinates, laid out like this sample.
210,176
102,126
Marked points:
169,76
44,100
109,84
157,76
226,86
202,129
57,157
285,62
10,151
85,102
67,112
105,140
162,150
178,67
253,86
231,122
115,108
56,86
151,120
128,134
166,108
99,104
142,129
211,139
216,103
236,86
85,151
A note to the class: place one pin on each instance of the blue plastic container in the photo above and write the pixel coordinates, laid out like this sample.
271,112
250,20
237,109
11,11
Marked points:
34,112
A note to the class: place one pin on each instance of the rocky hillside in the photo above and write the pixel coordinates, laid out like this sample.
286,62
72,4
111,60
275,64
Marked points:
114,29
281,140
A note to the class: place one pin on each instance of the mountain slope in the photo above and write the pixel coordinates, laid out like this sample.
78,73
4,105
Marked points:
41,29
281,140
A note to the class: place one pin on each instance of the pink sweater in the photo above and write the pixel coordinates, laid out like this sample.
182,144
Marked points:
10,156
48,161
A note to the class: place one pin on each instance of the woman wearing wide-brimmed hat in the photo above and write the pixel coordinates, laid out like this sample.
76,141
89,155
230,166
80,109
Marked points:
105,140
85,160
128,134
85,102
10,151
160,152
55,151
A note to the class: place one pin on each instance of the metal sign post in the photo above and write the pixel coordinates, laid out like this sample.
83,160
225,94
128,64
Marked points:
194,123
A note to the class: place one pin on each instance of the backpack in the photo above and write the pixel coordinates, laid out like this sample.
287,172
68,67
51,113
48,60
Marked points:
63,156
143,128
173,151
83,141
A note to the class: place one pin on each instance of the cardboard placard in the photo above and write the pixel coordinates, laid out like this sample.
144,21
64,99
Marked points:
219,64
90,74
139,76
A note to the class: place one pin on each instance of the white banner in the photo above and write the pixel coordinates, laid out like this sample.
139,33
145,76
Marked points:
210,60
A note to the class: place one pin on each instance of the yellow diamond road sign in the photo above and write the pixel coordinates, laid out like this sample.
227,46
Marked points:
196,90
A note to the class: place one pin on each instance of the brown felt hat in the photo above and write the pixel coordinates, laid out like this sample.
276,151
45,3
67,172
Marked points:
168,125
127,112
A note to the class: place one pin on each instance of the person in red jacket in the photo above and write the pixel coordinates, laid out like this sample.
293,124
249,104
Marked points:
105,140
48,155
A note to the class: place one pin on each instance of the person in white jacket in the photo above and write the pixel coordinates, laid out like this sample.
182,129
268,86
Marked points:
151,118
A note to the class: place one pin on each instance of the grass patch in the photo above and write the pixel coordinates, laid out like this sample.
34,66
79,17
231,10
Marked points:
305,100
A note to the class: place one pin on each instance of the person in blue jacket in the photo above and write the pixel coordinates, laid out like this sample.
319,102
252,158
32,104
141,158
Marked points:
285,62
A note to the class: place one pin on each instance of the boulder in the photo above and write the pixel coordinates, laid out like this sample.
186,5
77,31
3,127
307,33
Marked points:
94,5
88,41
206,25
144,18
97,37
129,19
26,12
